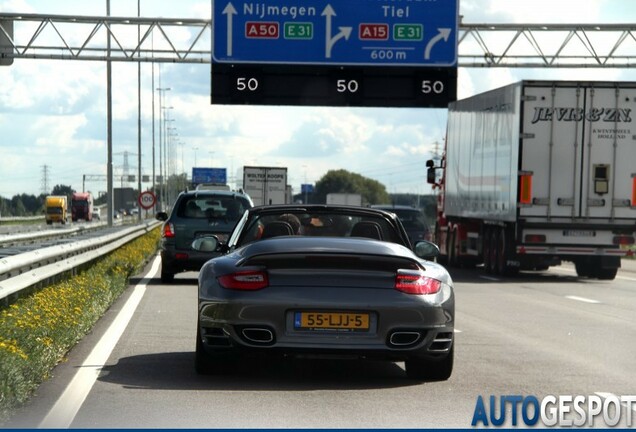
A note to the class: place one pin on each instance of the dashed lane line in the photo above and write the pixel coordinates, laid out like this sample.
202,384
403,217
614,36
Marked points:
583,299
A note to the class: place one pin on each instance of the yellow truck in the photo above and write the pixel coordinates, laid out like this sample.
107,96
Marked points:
56,209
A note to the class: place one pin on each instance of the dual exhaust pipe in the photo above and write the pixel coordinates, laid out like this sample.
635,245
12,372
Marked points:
403,339
258,335
397,339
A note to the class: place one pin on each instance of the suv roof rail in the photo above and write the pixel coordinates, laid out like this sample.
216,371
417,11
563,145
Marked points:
213,186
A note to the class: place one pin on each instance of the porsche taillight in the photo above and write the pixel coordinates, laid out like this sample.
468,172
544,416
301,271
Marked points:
168,230
416,283
245,281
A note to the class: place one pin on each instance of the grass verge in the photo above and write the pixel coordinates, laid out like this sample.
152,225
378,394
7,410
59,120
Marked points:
37,331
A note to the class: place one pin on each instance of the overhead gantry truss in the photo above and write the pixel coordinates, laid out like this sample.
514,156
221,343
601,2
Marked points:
179,40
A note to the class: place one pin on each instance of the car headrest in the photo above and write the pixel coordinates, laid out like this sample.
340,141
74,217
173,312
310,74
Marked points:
368,229
277,228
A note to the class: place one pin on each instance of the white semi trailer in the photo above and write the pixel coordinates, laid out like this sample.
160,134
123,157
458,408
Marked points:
539,172
266,185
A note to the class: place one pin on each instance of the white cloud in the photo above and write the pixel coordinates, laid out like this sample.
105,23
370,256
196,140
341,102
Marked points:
59,132
535,11
18,6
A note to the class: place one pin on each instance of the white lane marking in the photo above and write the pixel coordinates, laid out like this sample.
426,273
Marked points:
490,278
583,299
65,409
457,331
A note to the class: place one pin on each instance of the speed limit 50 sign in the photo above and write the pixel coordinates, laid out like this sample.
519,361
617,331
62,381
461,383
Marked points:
147,200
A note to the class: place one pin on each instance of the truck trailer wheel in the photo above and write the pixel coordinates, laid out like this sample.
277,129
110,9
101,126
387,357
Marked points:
606,273
453,259
485,250
504,254
598,268
582,269
494,251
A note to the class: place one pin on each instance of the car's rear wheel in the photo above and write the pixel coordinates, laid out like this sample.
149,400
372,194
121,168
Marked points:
206,363
430,369
166,276
202,363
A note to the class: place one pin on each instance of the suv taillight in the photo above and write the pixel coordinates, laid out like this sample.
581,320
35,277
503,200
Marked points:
416,283
168,230
245,280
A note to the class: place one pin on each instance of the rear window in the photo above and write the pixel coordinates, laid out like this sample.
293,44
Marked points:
412,219
212,206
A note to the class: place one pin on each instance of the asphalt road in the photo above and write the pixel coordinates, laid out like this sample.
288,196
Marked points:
539,334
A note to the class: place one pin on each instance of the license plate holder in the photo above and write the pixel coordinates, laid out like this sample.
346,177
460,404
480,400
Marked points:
579,233
332,321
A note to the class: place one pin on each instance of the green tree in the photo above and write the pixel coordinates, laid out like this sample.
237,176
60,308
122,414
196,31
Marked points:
343,181
18,207
62,190
5,207
32,205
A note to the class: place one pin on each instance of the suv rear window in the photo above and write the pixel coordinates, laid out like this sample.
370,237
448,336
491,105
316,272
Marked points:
212,206
411,219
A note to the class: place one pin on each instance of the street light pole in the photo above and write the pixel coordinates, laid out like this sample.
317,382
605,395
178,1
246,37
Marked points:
109,130
166,121
161,91
139,111
171,161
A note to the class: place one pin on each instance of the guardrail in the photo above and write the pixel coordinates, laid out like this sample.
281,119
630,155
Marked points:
20,218
21,272
31,237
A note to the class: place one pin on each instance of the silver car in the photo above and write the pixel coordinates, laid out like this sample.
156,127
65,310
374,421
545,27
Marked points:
326,281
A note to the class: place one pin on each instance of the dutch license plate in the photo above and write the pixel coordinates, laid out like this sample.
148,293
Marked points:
341,321
579,233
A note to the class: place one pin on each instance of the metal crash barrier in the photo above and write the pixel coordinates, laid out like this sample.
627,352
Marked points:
21,272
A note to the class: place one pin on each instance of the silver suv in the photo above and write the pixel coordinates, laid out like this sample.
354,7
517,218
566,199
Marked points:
195,214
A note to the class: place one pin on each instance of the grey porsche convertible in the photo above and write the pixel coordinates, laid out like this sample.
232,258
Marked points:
324,280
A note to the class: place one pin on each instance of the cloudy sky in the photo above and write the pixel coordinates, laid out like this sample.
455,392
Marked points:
53,113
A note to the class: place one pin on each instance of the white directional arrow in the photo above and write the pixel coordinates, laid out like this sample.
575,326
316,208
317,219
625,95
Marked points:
444,33
230,12
344,32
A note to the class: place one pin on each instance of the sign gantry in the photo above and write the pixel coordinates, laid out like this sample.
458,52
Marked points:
380,56
39,36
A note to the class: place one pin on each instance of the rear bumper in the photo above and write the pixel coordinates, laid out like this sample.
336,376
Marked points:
176,261
433,343
406,329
